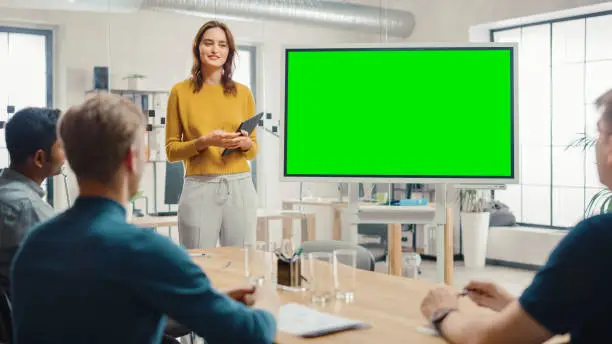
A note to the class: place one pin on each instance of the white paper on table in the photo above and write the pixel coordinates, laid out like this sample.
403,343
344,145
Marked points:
303,321
428,329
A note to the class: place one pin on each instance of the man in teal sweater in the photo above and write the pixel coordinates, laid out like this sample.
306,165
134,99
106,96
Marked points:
87,276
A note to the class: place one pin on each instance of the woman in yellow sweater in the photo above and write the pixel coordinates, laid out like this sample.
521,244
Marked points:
204,112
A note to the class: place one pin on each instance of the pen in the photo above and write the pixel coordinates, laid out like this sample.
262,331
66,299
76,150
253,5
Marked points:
298,252
464,292
201,254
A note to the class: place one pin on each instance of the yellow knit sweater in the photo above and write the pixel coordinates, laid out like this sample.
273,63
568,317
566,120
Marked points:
191,115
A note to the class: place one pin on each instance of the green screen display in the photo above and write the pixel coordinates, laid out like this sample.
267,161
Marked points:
399,113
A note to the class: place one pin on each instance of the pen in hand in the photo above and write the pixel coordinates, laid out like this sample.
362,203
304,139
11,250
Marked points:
464,292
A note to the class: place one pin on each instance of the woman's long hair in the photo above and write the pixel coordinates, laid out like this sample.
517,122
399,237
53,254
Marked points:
197,75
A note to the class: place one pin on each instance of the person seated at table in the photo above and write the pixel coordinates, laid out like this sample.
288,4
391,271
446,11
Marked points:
35,155
569,294
106,281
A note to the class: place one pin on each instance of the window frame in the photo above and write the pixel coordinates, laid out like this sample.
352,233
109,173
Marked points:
48,35
551,185
252,49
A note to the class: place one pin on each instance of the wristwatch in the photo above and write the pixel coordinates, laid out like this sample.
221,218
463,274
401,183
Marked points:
438,316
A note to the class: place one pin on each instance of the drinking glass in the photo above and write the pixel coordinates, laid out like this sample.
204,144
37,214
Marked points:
287,248
320,271
257,266
345,270
272,260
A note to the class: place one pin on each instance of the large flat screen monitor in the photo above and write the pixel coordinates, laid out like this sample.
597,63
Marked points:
413,113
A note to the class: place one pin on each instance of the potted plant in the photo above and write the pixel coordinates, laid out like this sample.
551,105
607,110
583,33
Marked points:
129,209
133,81
474,226
601,202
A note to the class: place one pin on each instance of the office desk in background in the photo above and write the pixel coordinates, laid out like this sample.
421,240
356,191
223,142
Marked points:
155,222
373,213
308,229
307,223
289,204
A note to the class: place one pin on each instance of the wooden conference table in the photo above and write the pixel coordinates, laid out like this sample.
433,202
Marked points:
389,304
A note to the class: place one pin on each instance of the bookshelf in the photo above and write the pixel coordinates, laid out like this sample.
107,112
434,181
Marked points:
153,104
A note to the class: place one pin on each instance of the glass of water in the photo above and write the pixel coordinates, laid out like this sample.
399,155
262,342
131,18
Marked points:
345,271
320,271
257,264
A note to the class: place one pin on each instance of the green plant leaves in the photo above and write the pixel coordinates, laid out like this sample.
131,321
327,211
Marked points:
583,142
601,202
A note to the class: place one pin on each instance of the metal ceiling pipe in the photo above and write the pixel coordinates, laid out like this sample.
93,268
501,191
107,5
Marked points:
368,19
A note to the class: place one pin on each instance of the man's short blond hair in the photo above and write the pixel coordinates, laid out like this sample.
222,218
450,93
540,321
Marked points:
97,134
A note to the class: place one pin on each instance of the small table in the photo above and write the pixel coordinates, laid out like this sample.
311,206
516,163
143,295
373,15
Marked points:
337,207
263,219
287,216
155,222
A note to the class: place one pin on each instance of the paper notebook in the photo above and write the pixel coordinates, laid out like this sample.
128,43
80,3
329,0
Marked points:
306,322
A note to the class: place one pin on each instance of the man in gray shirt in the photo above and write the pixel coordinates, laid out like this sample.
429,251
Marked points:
35,155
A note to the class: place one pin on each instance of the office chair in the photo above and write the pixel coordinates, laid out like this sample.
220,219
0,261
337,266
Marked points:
365,260
378,249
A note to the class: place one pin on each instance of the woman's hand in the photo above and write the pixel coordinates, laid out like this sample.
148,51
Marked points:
244,141
217,138
488,295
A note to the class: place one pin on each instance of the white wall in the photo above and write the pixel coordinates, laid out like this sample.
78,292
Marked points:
523,245
450,20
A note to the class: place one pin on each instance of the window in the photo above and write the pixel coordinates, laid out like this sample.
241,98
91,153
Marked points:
564,65
25,67
244,73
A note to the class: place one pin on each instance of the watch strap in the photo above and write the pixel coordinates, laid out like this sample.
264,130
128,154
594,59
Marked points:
439,316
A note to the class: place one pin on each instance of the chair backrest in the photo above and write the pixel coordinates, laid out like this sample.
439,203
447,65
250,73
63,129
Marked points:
175,175
6,318
365,259
374,229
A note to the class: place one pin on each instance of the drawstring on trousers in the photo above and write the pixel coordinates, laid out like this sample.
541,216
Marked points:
223,196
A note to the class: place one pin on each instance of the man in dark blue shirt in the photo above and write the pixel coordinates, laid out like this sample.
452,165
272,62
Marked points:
87,276
570,293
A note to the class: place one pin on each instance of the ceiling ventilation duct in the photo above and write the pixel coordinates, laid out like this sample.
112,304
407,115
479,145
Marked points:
354,17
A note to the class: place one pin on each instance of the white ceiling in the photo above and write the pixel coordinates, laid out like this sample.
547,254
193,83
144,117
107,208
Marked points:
75,5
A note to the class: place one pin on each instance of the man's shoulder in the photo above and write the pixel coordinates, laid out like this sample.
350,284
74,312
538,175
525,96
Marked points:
13,206
141,247
597,226
14,191
135,238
